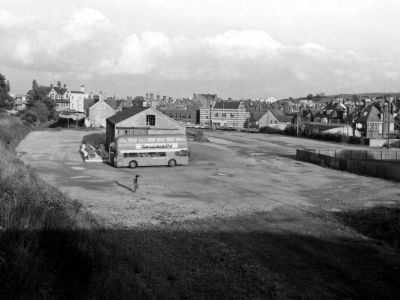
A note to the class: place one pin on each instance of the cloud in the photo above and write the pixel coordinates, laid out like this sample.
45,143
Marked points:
7,19
243,44
87,45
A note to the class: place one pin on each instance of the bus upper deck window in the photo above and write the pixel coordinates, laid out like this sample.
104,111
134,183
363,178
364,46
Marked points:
170,139
125,154
160,139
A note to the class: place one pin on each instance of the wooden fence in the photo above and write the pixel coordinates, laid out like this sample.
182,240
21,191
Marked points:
360,154
370,167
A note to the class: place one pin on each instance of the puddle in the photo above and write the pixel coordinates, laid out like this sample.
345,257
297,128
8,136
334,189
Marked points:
257,153
79,177
78,168
224,174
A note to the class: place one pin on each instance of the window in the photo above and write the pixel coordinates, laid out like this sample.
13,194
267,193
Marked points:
216,114
232,115
151,120
206,117
224,115
181,153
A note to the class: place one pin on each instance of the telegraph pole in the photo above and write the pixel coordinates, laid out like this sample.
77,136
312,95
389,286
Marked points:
388,117
210,117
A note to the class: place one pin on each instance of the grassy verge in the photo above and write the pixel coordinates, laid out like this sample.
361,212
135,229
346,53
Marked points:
381,223
50,247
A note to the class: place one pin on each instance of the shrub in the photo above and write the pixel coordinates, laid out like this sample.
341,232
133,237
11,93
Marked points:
271,130
30,117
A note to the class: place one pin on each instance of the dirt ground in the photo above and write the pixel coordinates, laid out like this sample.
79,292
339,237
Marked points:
244,220
235,173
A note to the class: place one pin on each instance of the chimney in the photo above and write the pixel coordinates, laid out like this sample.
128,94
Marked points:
82,88
51,86
59,84
65,86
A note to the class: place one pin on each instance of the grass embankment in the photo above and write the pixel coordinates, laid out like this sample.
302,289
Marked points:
50,248
381,223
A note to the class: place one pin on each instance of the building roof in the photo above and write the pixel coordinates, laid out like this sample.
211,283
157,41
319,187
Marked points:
369,114
88,103
125,114
325,126
227,105
278,114
59,90
77,92
257,115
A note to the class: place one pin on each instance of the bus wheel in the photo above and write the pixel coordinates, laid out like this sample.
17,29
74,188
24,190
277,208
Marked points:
133,164
172,163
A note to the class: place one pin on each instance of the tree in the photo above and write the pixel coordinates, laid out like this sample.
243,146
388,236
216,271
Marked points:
309,96
40,109
35,85
5,98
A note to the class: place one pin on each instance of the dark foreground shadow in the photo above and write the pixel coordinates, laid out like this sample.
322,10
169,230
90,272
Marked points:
251,257
381,223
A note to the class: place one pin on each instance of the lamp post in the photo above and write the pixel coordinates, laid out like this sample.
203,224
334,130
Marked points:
388,122
210,117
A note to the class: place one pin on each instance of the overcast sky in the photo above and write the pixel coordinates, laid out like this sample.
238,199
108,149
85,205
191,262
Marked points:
238,49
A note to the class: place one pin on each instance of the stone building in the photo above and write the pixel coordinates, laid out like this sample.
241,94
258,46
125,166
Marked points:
225,114
99,112
141,121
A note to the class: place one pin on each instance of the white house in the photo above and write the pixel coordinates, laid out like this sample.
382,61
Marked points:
77,99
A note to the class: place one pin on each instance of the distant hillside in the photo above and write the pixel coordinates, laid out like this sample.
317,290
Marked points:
328,98
366,95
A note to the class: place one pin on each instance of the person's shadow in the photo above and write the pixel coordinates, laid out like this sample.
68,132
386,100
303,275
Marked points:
125,187
135,184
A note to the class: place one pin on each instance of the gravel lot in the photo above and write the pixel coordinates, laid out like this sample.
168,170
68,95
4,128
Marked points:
234,174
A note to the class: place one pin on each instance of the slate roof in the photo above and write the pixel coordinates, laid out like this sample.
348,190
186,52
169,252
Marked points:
77,92
125,114
227,105
257,115
60,91
88,103
280,116
369,114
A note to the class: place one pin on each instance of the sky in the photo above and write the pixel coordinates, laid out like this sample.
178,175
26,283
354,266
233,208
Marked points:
238,49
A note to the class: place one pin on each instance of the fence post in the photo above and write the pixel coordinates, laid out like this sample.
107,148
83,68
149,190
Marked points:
381,154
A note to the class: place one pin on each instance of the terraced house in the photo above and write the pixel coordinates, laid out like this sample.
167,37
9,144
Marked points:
225,114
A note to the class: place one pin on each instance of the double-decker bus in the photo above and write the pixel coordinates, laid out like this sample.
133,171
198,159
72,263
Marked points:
149,150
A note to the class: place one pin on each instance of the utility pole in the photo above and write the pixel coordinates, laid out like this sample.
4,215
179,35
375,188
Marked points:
388,117
210,117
